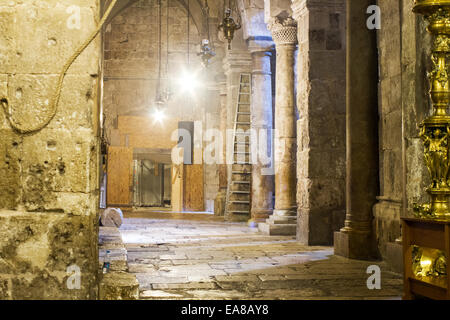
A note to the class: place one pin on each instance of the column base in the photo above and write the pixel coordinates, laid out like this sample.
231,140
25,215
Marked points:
281,223
353,245
259,215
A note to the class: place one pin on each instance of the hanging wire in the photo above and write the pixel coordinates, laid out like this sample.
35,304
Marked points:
159,49
188,32
207,26
167,49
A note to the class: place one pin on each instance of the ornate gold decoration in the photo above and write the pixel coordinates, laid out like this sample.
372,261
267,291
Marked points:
228,26
428,262
435,130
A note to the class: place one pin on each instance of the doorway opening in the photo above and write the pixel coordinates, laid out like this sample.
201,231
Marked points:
152,184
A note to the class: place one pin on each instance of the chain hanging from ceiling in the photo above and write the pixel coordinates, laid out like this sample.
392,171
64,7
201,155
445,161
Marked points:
162,94
206,51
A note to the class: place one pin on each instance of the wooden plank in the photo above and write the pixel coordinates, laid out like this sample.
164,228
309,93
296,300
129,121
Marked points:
427,235
119,175
193,188
407,261
427,290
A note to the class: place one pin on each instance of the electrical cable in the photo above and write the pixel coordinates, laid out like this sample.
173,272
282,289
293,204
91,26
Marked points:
57,95
188,32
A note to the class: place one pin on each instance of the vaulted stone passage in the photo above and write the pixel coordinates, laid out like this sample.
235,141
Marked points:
242,153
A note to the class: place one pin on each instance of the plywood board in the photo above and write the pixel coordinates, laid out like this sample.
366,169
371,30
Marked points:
193,188
119,174
177,187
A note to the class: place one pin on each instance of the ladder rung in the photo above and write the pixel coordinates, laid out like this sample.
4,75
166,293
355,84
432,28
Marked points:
245,152
240,192
240,182
238,212
241,172
244,113
240,202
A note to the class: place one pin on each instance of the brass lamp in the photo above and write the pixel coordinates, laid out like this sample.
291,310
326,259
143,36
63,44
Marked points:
435,130
229,26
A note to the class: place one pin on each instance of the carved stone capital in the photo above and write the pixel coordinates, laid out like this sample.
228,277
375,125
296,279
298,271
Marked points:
284,31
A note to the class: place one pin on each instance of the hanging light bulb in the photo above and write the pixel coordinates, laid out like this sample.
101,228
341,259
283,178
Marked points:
206,51
158,115
188,82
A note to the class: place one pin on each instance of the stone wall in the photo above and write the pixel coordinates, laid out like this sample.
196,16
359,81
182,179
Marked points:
49,185
403,103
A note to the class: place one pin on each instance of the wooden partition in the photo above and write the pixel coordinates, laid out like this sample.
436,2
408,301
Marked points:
193,199
119,176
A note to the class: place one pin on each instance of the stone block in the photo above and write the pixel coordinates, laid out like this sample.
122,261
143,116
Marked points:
314,226
317,39
37,251
119,286
54,31
273,229
10,149
333,40
354,246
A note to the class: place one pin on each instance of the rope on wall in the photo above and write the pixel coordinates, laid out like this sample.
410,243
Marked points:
57,95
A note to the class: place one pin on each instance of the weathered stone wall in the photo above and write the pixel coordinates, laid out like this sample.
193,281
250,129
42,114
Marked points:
132,66
387,210
321,124
49,185
403,104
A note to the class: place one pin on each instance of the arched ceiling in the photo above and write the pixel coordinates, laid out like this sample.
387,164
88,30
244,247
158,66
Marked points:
195,10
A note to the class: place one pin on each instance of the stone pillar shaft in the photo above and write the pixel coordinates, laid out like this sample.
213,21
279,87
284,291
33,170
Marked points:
285,125
321,124
262,118
354,240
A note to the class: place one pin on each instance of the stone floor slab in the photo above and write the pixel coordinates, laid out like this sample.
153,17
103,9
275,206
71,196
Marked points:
200,257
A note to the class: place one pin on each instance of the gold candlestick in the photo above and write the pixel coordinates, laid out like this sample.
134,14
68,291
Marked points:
435,130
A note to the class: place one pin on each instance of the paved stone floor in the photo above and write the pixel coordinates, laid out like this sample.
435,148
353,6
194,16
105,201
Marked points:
198,256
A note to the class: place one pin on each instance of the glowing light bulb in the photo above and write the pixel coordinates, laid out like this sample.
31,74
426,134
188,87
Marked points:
158,115
188,82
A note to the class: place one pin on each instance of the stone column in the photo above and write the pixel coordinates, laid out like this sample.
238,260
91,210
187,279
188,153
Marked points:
354,240
321,124
223,177
262,120
284,218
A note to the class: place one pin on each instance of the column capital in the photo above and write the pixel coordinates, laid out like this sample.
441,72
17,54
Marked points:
284,31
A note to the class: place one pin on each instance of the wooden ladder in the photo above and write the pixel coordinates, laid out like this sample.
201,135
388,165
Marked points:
238,197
